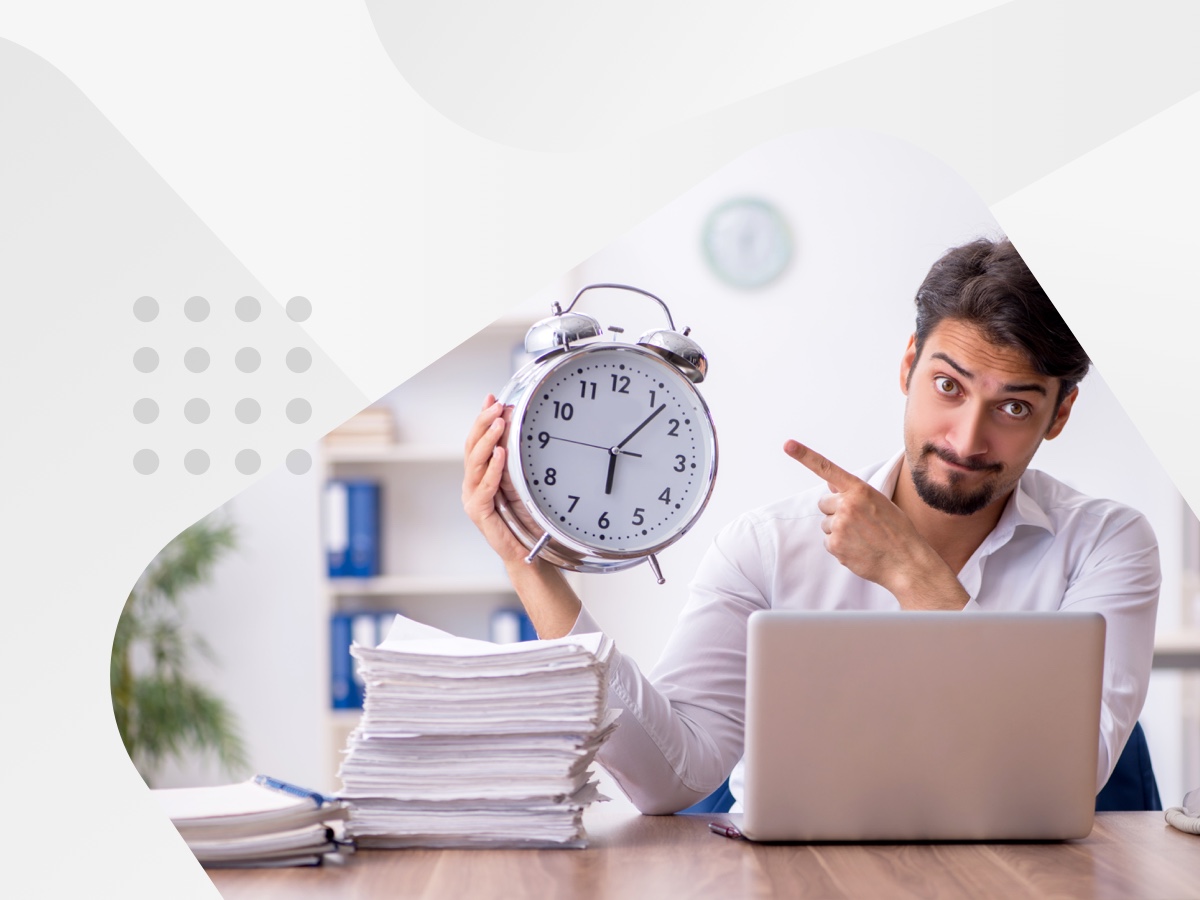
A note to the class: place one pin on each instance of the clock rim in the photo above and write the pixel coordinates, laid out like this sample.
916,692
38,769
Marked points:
564,550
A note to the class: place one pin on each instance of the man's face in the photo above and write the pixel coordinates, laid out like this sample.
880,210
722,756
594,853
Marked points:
975,415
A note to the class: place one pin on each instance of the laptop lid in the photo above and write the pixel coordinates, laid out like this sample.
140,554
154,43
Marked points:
921,726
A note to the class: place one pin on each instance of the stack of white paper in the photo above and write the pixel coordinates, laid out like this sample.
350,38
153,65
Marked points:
464,743
260,822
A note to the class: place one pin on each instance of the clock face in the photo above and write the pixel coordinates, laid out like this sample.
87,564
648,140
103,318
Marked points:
617,450
747,242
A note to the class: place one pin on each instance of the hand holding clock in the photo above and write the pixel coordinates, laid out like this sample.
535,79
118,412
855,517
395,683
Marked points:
547,597
874,539
483,469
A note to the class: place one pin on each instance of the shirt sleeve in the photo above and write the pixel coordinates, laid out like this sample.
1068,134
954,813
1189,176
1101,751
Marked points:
1120,579
681,732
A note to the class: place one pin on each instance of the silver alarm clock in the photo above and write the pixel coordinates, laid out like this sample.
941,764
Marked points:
611,450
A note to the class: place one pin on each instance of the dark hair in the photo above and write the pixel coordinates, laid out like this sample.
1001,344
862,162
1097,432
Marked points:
987,284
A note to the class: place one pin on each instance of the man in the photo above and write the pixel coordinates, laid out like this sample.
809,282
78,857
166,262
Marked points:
956,521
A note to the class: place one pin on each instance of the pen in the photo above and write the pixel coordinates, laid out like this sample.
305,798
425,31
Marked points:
276,785
725,830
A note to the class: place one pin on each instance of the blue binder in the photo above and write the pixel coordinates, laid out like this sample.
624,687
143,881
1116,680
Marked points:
352,528
510,625
368,628
344,690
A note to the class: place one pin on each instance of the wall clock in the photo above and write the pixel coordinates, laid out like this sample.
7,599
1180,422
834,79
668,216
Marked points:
746,242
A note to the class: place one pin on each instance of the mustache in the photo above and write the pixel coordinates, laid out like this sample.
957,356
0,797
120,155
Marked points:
974,464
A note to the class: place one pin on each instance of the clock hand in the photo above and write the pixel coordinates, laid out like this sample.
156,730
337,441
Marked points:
629,436
586,444
617,451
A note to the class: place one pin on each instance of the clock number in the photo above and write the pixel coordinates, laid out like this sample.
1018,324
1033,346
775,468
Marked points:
652,398
551,477
573,500
638,518
603,520
682,461
564,411
543,439
583,390
665,496
674,432
624,380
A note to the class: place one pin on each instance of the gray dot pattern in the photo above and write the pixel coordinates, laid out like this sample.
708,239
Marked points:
145,309
299,462
299,359
247,410
145,462
145,359
196,462
247,309
145,410
247,462
196,309
196,410
247,359
299,410
299,309
196,359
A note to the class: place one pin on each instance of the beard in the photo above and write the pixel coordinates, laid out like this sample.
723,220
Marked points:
952,498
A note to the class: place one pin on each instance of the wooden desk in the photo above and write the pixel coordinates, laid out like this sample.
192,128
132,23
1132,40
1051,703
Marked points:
630,857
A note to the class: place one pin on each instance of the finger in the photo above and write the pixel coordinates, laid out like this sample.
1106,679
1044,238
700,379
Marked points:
829,504
495,470
837,477
827,524
480,456
482,498
481,423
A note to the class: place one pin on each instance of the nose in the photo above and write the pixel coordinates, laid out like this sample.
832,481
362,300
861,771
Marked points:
967,435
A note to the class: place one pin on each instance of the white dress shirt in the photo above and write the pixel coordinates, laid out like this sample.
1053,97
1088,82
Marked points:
1052,548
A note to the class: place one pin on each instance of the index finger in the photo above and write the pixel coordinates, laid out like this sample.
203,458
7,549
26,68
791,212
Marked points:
837,477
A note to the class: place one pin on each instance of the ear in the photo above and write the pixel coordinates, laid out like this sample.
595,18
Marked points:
907,362
1061,416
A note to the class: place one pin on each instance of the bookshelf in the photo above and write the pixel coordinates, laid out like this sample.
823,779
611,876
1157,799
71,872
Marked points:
434,566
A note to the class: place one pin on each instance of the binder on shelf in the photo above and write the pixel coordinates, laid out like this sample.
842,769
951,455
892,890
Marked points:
352,528
365,628
510,625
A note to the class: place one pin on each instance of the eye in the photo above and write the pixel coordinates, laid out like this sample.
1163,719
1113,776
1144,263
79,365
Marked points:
1018,409
945,385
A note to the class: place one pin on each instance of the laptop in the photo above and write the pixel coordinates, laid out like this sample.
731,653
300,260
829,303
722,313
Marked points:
931,726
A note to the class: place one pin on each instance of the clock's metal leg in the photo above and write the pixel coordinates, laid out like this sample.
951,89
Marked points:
655,569
537,548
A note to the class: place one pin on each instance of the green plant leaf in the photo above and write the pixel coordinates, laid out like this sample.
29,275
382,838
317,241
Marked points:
161,711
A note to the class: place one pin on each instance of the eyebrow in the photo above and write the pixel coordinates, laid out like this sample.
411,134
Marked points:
1011,388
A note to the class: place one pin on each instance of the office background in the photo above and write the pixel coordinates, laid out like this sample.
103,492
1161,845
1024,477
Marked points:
813,355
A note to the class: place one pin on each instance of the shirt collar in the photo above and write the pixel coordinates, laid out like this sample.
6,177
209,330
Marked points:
1022,509
885,477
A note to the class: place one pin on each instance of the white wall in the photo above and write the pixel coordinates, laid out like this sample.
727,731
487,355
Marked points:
814,356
